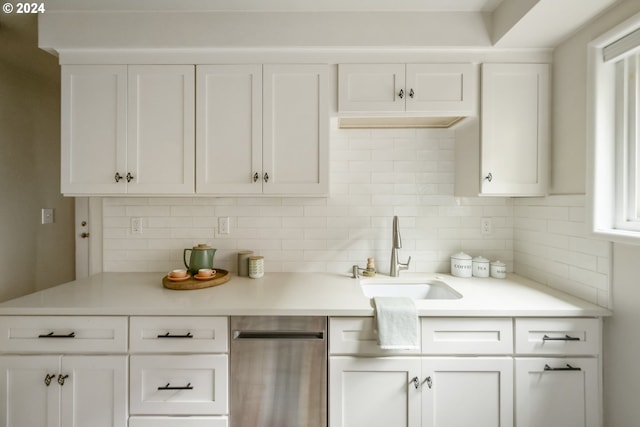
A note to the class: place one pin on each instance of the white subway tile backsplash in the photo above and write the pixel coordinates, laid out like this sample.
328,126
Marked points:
375,174
551,245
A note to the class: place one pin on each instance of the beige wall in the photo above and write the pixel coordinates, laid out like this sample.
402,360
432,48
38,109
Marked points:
32,256
621,341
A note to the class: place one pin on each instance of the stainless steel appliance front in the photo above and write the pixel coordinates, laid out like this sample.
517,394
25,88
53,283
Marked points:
278,371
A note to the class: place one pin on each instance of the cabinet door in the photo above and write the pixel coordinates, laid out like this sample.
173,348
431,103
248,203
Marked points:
160,128
467,392
515,129
94,140
94,391
26,400
557,392
296,126
374,392
371,87
442,89
229,129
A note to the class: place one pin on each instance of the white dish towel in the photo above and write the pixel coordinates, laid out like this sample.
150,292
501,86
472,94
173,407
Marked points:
396,323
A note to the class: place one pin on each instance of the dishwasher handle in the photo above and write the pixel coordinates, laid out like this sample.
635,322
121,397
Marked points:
278,335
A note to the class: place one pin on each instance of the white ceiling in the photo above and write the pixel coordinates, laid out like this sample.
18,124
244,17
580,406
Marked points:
506,23
281,5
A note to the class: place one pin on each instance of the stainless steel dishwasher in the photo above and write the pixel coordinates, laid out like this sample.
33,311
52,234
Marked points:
278,371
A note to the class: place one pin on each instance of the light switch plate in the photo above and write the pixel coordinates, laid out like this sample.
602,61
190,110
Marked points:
47,215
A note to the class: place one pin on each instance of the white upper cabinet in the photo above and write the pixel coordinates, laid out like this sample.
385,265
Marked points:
515,129
160,129
295,130
262,129
229,129
94,133
429,89
128,129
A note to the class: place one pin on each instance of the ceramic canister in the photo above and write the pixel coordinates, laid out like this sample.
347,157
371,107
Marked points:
498,270
461,265
256,267
243,263
480,267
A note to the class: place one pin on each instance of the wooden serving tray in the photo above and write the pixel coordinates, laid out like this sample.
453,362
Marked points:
221,277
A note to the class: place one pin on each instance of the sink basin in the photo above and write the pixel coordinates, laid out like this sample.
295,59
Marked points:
409,288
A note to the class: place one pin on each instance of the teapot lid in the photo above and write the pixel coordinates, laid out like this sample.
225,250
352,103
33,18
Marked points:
202,246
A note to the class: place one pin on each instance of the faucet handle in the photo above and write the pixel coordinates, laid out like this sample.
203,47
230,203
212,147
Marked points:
405,266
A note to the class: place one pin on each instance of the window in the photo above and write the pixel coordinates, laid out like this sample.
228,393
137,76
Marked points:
627,154
614,148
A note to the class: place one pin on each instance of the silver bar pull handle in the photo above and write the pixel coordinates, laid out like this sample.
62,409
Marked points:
278,335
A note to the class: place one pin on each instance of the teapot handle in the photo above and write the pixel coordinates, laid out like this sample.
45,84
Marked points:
184,257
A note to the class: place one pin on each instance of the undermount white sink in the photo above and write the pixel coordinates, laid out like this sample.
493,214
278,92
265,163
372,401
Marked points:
409,288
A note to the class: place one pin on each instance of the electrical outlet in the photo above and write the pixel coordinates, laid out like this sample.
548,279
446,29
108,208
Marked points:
485,226
223,225
47,216
136,225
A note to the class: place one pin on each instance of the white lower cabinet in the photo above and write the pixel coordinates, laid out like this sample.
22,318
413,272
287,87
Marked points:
374,391
557,392
500,372
427,392
557,372
467,391
179,371
69,391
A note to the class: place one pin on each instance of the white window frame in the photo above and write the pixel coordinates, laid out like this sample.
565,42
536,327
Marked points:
611,194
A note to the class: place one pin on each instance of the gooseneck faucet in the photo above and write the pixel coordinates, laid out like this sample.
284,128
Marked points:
396,266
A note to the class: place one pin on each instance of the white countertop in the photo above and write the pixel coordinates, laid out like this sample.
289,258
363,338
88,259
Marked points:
290,294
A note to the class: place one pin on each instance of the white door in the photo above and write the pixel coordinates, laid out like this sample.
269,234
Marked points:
459,391
374,392
296,129
29,391
160,128
94,391
515,129
229,129
557,392
93,128
443,89
371,87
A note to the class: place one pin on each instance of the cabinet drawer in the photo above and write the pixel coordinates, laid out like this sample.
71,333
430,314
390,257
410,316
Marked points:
565,336
178,422
63,334
467,336
179,335
180,385
356,335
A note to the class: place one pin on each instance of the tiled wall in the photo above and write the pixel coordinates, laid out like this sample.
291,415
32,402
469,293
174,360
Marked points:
552,246
375,174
